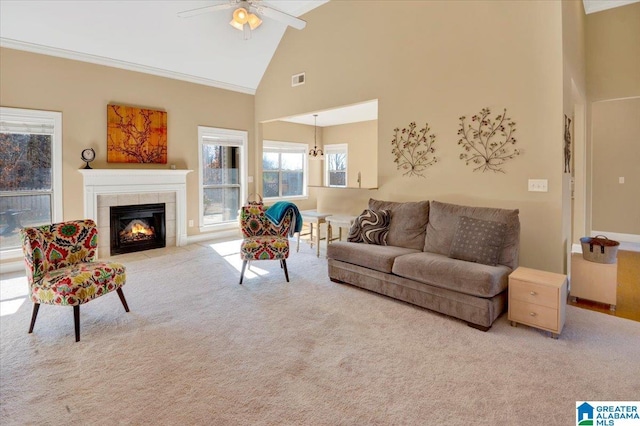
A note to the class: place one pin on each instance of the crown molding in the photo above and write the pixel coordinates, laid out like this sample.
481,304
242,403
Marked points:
115,63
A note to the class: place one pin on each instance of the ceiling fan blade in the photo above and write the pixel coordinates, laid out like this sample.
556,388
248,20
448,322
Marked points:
206,9
285,18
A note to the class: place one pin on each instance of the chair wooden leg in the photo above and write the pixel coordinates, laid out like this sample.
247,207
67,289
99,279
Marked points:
284,266
122,299
34,315
244,265
76,321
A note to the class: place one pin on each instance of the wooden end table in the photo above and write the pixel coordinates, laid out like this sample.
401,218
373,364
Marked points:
538,299
594,281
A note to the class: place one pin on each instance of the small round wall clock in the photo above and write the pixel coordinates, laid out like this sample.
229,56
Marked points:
88,155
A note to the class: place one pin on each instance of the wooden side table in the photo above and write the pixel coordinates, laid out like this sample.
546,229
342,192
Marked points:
538,299
312,217
594,281
338,221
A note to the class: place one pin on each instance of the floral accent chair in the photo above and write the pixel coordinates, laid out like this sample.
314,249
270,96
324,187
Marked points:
61,265
263,240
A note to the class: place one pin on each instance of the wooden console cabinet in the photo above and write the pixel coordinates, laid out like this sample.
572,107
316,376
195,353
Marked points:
594,281
538,299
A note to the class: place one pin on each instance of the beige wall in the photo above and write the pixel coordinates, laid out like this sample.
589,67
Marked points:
613,75
574,53
443,60
613,54
616,153
81,91
362,154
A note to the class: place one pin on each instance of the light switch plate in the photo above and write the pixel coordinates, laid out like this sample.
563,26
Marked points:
538,185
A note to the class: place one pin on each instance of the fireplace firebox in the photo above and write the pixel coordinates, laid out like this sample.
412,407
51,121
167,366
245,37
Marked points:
137,227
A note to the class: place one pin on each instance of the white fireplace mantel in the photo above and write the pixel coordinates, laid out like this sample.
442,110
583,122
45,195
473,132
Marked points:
135,181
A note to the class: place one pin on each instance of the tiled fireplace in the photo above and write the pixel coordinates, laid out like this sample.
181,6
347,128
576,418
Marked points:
137,227
107,188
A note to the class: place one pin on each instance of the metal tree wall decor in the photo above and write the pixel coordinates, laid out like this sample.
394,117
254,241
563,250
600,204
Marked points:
413,149
567,144
488,143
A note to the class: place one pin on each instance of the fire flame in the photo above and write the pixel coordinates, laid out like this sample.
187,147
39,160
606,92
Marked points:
140,229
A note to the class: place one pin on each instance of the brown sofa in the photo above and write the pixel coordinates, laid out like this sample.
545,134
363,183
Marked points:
415,266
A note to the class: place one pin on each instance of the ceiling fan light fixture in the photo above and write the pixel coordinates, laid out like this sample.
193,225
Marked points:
254,21
236,25
245,21
241,16
247,12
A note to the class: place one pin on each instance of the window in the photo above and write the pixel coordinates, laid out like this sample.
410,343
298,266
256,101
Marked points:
223,175
335,169
30,173
284,166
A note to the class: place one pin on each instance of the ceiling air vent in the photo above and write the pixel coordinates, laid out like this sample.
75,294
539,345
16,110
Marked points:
297,79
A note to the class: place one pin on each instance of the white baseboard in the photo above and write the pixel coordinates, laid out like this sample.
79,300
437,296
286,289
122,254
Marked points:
230,233
8,267
629,242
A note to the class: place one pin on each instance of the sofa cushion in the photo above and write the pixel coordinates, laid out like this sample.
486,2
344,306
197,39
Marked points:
478,240
408,222
369,256
443,221
475,279
371,227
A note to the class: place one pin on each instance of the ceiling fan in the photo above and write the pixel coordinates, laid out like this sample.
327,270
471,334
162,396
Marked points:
246,16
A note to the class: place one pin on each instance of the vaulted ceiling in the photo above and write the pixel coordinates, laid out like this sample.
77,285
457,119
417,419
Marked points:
148,36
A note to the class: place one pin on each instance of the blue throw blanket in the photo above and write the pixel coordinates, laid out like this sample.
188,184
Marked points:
279,210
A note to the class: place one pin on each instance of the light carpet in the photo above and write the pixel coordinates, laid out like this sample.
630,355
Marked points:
197,348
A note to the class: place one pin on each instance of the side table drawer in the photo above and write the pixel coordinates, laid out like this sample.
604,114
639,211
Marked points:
532,314
533,293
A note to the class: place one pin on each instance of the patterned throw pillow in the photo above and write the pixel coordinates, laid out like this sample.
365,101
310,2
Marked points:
371,227
478,240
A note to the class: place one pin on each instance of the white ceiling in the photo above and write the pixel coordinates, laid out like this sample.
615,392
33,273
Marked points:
148,36
365,111
593,6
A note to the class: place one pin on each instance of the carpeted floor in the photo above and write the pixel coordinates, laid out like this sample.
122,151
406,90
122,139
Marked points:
197,348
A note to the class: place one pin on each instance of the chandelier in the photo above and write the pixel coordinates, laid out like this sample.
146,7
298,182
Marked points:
315,152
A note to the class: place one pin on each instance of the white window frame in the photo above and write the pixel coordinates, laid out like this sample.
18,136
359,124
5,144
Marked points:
338,148
10,119
280,147
210,135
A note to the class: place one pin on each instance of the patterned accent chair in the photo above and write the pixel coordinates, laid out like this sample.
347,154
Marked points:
263,240
61,265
